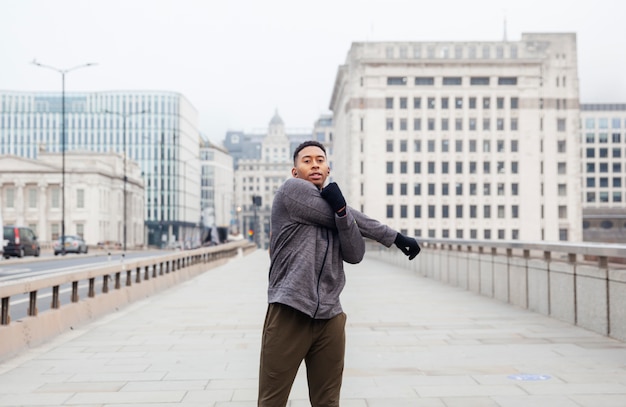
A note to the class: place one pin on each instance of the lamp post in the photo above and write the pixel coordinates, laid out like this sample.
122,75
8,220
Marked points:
124,116
63,72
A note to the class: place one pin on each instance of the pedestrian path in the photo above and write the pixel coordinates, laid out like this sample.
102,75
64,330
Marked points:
410,342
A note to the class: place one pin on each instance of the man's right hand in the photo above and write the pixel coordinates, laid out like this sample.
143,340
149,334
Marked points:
332,194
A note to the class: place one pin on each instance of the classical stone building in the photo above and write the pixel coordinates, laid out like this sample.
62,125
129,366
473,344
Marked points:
32,195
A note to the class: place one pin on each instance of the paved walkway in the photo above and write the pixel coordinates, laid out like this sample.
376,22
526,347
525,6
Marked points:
410,342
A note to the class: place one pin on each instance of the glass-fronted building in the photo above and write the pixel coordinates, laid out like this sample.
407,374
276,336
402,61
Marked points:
156,129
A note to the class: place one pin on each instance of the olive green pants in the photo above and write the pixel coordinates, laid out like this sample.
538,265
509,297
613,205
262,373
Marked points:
289,337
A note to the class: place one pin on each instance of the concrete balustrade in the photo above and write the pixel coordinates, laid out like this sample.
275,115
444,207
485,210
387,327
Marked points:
110,287
583,284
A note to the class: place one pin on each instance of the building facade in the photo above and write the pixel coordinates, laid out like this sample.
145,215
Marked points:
217,193
31,195
475,140
156,129
604,169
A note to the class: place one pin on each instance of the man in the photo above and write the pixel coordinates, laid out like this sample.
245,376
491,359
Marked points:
313,232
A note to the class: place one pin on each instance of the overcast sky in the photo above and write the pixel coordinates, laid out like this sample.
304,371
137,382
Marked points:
237,61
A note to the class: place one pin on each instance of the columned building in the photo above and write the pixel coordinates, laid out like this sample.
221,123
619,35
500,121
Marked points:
31,195
474,140
604,172
156,129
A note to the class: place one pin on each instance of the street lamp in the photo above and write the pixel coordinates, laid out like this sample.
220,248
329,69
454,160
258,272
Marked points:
62,72
124,116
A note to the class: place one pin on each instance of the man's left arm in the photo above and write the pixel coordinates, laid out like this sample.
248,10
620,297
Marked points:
350,238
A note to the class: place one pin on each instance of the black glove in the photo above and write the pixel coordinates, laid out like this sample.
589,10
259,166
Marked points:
408,245
332,194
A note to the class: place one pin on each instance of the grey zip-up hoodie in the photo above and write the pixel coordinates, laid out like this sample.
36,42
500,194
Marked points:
308,246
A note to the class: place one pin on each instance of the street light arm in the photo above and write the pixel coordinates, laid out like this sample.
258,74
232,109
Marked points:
62,71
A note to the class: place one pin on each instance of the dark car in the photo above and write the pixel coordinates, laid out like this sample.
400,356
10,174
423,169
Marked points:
73,244
20,241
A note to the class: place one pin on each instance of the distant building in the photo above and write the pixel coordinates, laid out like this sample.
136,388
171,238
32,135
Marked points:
156,129
604,168
31,195
217,186
475,140
247,146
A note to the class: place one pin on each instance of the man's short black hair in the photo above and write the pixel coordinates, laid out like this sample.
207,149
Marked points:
304,144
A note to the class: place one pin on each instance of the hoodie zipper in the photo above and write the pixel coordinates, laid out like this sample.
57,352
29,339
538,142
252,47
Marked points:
319,275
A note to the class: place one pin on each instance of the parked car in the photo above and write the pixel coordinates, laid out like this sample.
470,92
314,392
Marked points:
20,241
73,244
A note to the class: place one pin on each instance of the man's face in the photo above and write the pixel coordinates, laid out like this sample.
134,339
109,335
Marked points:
311,165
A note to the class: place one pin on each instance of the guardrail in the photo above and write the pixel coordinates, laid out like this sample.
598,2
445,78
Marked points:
119,284
582,284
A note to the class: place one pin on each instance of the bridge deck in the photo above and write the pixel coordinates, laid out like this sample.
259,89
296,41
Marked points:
410,342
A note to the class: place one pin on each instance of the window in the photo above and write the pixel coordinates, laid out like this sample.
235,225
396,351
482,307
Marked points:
417,211
389,103
431,146
424,81
452,80
560,124
417,167
403,103
486,124
417,189
444,124
445,189
403,167
472,103
445,167
458,167
514,211
431,124
473,211
10,197
417,103
403,188
486,211
396,80
80,198
458,189
431,103
444,102
389,146
458,124
486,189
459,211
55,198
431,189
431,167
472,124
389,211
514,103
445,211
403,146
403,211
417,124
479,80
431,211
562,212
32,198
458,146
500,103
501,212
403,125
389,188
458,103
500,124
389,124
54,231
507,80
389,167
486,102
562,188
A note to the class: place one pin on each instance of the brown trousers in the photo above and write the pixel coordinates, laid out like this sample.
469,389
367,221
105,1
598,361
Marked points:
289,337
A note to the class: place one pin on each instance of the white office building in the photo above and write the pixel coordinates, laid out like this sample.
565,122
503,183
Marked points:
156,129
217,187
472,140
604,169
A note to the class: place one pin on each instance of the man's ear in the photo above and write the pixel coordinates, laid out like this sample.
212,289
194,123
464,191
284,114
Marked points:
294,172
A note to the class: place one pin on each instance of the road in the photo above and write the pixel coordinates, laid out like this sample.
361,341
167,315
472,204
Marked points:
48,264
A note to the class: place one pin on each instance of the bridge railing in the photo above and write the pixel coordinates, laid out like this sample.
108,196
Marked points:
583,284
110,287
